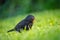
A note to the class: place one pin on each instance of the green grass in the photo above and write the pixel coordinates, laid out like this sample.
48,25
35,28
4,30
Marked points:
46,27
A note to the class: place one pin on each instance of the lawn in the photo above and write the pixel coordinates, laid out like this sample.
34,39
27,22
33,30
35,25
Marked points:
46,27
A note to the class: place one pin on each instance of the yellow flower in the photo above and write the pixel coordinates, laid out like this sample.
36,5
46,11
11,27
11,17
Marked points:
51,22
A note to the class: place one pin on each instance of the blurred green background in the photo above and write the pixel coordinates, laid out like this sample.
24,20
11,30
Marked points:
47,19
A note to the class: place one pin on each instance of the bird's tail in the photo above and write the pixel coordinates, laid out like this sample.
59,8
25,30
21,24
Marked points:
11,30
